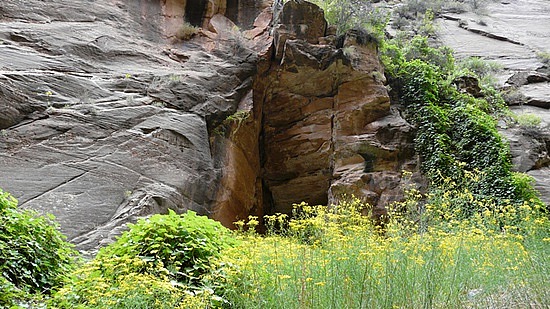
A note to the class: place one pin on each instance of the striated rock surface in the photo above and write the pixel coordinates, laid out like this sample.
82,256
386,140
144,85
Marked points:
514,34
106,117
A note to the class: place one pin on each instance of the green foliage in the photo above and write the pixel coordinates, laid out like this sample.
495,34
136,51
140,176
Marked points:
349,14
479,66
161,262
523,185
186,32
397,55
544,57
183,244
527,120
412,9
456,133
34,255
118,282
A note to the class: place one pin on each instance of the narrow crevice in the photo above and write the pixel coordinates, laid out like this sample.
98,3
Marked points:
332,160
194,12
22,205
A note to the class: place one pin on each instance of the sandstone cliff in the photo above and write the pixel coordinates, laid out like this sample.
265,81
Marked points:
106,116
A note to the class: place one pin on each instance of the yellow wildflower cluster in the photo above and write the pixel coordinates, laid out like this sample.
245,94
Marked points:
336,257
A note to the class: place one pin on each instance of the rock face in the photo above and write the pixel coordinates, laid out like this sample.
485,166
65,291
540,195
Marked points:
514,34
105,117
327,124
317,124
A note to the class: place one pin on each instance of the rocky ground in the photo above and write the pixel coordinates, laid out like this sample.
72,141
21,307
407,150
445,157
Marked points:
514,34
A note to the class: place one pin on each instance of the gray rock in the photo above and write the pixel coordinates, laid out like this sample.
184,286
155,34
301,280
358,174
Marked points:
103,119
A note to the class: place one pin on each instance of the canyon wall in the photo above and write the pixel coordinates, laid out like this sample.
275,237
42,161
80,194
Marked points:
107,117
318,124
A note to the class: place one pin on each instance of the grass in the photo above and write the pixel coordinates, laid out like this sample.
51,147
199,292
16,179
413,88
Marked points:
432,252
186,32
544,57
339,259
528,120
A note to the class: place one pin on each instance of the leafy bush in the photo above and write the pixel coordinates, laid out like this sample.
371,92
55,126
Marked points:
119,282
34,255
480,67
183,244
161,262
544,57
349,14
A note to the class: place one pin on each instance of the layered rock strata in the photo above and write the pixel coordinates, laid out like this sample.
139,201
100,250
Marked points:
327,126
106,118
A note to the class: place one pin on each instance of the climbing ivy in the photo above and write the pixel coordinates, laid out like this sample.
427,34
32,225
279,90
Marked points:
456,133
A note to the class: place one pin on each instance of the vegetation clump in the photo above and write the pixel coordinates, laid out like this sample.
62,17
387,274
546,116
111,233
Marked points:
456,133
438,258
186,32
161,262
34,256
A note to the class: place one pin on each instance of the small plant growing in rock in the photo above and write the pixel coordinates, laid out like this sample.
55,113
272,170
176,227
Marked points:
238,117
479,66
514,96
186,32
544,57
159,104
528,120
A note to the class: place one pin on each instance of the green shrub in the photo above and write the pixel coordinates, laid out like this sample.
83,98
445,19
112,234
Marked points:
419,48
118,282
544,57
480,67
34,256
160,262
186,32
183,244
348,14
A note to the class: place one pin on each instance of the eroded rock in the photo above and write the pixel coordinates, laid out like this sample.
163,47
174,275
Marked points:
104,120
